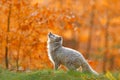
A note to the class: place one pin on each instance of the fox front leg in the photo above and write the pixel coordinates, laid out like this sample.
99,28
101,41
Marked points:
56,65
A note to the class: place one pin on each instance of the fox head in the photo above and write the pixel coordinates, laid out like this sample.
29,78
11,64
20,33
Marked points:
54,38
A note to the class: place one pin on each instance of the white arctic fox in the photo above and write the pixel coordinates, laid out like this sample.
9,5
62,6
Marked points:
70,58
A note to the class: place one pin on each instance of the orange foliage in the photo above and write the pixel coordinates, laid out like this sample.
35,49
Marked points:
31,20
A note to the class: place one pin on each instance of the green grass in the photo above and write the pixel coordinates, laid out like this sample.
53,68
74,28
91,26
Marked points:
54,75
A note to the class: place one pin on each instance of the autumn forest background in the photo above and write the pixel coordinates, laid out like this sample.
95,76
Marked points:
89,26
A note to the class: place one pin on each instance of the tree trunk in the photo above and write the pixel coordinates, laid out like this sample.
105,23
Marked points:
17,60
112,63
105,59
6,48
91,30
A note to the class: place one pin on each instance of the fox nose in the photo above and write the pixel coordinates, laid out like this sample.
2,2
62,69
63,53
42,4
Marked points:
49,33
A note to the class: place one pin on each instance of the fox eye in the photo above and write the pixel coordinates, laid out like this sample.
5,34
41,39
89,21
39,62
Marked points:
53,36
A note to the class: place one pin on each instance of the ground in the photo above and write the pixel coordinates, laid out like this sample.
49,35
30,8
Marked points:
55,75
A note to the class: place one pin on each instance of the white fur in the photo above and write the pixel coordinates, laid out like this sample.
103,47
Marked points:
72,59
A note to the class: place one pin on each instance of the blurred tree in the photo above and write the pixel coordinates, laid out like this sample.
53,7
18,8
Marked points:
8,29
92,14
92,25
105,58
